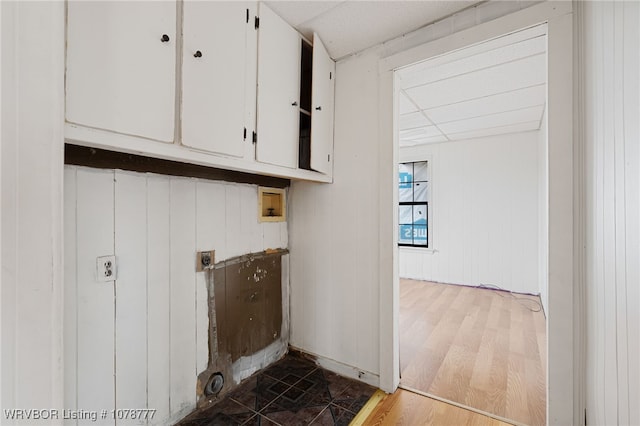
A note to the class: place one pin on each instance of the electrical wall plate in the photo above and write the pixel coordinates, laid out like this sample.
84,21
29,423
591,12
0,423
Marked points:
205,260
106,268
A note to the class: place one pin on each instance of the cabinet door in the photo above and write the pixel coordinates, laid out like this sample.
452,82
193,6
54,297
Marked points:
322,94
121,67
214,75
278,90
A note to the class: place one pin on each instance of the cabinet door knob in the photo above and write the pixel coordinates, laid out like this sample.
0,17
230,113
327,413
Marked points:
294,104
198,54
318,108
165,38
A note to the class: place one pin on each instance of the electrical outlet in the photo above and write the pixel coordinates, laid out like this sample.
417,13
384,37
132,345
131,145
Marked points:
106,268
205,260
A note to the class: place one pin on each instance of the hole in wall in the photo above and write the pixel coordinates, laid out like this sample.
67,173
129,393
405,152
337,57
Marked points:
214,384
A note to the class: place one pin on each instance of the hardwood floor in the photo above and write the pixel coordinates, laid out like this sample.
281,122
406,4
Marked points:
408,409
476,347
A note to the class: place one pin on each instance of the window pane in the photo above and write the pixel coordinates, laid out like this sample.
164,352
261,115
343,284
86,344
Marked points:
405,194
405,215
405,175
420,214
420,171
420,191
420,235
405,234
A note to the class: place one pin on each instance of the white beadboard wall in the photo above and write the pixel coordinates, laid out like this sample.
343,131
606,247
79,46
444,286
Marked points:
611,43
32,151
484,213
150,330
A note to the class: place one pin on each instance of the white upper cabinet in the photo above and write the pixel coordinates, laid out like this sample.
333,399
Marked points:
322,97
278,91
121,61
218,60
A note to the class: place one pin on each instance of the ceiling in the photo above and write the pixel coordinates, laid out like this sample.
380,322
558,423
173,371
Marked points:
346,27
493,88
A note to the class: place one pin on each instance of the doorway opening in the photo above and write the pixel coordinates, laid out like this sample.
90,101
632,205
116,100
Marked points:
473,216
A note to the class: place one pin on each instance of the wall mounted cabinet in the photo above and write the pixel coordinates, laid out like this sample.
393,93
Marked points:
121,62
218,56
278,90
239,80
322,102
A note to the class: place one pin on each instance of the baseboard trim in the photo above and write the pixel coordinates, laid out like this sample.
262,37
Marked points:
340,368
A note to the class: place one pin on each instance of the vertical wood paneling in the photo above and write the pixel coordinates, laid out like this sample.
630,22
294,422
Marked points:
284,233
322,294
485,206
95,328
235,245
157,319
159,298
217,212
251,229
183,296
271,234
206,239
131,292
299,298
31,287
631,135
70,294
611,39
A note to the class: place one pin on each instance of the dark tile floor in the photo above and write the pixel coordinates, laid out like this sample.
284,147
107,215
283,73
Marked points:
293,391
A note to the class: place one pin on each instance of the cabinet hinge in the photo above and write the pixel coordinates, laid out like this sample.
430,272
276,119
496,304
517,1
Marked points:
328,157
257,23
245,134
255,137
330,75
247,16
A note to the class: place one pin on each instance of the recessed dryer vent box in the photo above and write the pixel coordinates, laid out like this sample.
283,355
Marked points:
272,205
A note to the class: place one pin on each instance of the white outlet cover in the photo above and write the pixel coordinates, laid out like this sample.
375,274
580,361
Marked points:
106,269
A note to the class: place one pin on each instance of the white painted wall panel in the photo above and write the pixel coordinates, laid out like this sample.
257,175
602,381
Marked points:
131,292
251,230
95,327
31,178
159,298
485,211
157,319
611,41
70,295
234,243
205,240
183,296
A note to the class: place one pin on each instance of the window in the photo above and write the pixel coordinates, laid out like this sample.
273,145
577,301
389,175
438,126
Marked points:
413,196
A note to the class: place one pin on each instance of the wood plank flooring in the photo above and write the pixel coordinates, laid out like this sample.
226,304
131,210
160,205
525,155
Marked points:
408,409
477,347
